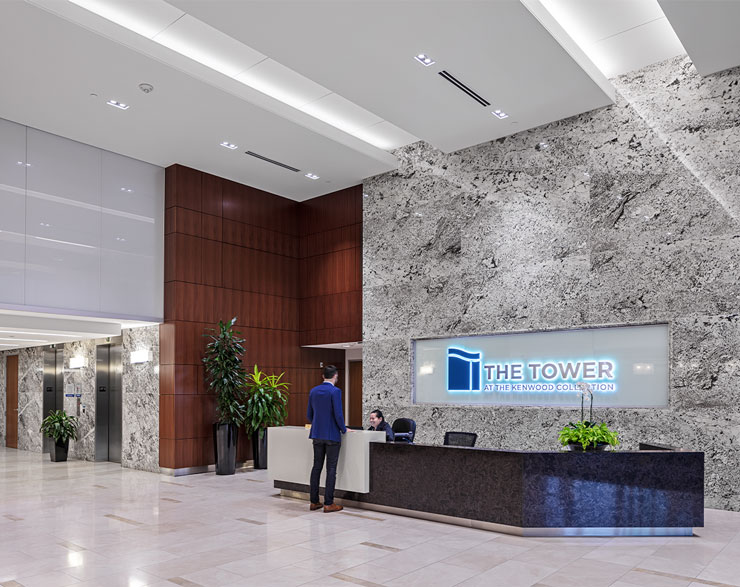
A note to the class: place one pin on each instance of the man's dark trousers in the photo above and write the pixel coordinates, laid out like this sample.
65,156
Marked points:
330,449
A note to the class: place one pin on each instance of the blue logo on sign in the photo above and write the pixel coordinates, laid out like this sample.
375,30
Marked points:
463,371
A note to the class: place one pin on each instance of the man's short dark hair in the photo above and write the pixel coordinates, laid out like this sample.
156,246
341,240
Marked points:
378,414
329,371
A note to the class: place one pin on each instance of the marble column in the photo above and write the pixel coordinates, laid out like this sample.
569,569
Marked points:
140,446
30,398
82,380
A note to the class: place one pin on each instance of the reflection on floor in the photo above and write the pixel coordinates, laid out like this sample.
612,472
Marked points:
80,523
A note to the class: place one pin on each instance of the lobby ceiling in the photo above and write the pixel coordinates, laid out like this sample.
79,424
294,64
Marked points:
327,88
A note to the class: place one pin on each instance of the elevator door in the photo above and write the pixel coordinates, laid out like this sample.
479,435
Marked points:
108,403
53,385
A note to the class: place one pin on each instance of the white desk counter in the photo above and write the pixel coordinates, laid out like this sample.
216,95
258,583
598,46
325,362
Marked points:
290,457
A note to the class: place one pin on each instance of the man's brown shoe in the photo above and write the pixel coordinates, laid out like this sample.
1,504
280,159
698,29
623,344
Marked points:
332,508
315,506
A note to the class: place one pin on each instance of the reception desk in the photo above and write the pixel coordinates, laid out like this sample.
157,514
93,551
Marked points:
656,493
290,457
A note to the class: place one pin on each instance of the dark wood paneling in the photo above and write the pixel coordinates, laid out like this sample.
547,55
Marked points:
289,271
11,401
182,188
212,195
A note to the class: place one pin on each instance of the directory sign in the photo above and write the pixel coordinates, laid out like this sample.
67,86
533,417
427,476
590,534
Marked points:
623,366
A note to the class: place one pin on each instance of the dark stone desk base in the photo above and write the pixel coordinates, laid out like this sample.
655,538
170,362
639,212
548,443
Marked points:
657,493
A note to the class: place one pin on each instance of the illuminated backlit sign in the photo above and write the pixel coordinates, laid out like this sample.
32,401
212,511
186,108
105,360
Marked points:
623,366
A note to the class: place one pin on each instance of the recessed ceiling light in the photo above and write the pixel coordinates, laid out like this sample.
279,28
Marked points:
22,164
424,59
229,145
500,114
129,190
117,104
312,176
44,224
120,239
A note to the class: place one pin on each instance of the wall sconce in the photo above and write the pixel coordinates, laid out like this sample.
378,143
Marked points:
77,362
141,356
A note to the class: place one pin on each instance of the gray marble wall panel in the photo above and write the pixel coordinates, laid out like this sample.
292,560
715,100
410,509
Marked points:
140,446
30,397
83,381
628,214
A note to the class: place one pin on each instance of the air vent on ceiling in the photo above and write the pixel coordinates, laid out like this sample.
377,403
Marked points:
463,88
283,165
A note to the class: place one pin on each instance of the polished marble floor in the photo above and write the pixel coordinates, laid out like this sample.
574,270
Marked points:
80,523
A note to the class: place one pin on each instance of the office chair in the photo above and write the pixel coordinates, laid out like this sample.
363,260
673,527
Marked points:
460,438
404,430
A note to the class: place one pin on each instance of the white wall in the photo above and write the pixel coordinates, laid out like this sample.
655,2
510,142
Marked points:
81,229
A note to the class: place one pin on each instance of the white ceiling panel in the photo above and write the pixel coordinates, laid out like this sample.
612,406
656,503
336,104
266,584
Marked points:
636,48
276,80
364,51
146,18
204,44
708,30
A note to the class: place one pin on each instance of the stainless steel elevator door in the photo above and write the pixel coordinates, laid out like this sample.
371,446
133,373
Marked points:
53,398
102,365
108,403
115,404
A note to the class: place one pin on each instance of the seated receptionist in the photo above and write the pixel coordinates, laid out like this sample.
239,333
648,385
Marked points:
378,423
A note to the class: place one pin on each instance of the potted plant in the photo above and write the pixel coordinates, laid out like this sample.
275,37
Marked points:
586,435
267,405
226,377
60,427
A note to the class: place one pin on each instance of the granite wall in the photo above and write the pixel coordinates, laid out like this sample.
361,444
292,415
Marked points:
140,443
623,215
30,397
83,381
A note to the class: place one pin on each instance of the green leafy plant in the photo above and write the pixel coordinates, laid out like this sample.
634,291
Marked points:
267,401
59,425
224,372
587,434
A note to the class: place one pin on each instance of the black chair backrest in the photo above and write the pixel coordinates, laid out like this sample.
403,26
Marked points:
405,427
460,438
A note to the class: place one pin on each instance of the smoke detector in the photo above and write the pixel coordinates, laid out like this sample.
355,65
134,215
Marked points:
146,88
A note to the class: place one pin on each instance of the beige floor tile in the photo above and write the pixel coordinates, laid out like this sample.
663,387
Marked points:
686,568
510,574
725,568
622,555
53,579
594,573
434,575
640,579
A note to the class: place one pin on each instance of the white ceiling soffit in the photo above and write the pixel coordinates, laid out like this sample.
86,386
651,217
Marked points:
155,20
709,31
24,329
56,65
618,35
364,51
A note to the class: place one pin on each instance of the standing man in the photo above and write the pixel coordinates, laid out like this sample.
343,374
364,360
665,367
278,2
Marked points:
378,423
327,426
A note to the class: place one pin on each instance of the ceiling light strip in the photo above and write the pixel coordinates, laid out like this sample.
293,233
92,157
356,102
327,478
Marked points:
461,86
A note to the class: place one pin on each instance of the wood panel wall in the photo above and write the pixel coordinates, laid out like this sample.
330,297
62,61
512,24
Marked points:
289,271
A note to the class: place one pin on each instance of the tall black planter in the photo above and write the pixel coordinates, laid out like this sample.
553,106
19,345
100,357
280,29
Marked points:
59,450
259,448
225,437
